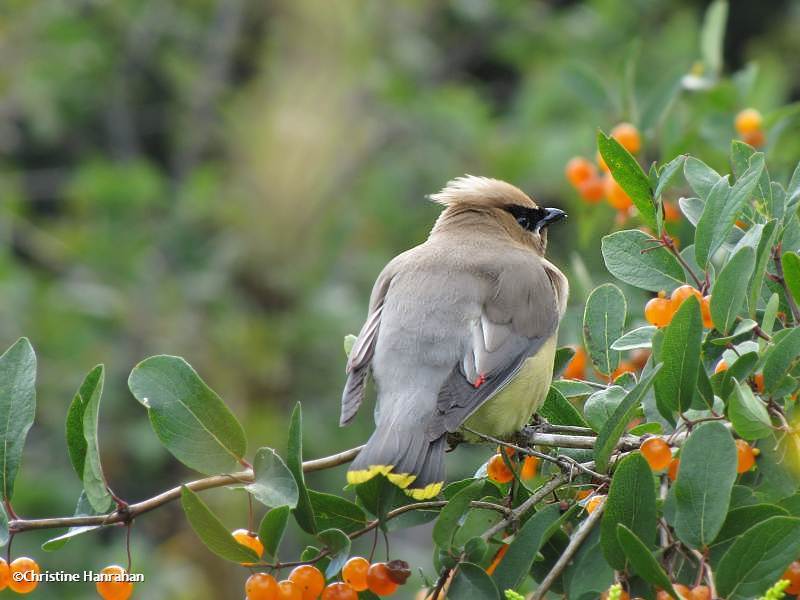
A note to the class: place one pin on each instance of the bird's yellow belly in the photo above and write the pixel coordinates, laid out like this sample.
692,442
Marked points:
511,409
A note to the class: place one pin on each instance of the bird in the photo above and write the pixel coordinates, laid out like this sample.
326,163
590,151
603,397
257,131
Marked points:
461,332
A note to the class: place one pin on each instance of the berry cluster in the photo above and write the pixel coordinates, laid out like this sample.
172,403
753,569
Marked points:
501,469
748,125
659,311
698,592
306,582
576,367
595,182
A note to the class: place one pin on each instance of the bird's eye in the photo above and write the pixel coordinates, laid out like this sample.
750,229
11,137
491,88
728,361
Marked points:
524,222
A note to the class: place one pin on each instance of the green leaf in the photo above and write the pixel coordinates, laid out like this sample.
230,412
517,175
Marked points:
763,251
740,369
641,337
17,409
273,483
651,428
189,418
82,440
334,512
758,557
447,523
211,531
748,414
338,546
474,583
82,509
743,518
642,560
680,354
701,178
303,512
636,258
614,428
742,327
722,209
559,411
704,483
588,574
272,528
712,36
603,321
631,502
522,551
791,273
629,175
563,356
727,299
600,406
349,342
780,358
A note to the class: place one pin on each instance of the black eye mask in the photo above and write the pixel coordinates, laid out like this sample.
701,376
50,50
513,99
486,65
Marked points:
534,219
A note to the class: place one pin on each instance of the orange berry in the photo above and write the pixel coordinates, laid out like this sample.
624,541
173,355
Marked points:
288,590
748,121
721,366
758,379
529,467
245,538
582,494
379,581
680,294
339,591
576,367
497,558
672,213
498,470
579,170
617,197
261,586
705,311
592,190
658,312
117,588
700,592
745,456
5,574
509,451
354,573
309,579
755,138
594,502
601,163
657,453
28,569
682,590
639,357
662,595
628,136
741,224
672,471
622,368
792,575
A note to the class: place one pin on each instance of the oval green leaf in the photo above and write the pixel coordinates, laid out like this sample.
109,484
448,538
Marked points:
758,557
748,414
629,175
273,484
272,528
638,259
631,502
17,409
603,321
189,418
473,582
680,354
303,512
704,483
642,560
727,299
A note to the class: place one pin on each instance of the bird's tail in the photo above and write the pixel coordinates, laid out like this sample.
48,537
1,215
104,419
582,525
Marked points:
406,458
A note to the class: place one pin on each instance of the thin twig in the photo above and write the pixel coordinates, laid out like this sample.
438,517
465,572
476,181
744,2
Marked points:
574,544
670,245
776,257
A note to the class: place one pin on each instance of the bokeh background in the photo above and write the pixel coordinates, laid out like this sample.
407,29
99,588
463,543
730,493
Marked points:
224,179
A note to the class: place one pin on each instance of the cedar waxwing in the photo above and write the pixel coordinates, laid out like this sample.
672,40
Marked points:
461,330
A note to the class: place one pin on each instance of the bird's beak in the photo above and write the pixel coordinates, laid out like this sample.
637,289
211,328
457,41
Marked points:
551,215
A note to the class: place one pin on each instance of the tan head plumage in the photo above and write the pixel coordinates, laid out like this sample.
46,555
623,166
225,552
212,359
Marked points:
481,191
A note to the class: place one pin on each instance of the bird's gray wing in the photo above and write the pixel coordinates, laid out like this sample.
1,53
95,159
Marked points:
363,350
520,314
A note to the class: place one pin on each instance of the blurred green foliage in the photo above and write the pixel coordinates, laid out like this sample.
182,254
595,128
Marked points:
224,180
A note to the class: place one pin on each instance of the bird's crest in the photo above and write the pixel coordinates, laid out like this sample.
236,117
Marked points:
482,191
